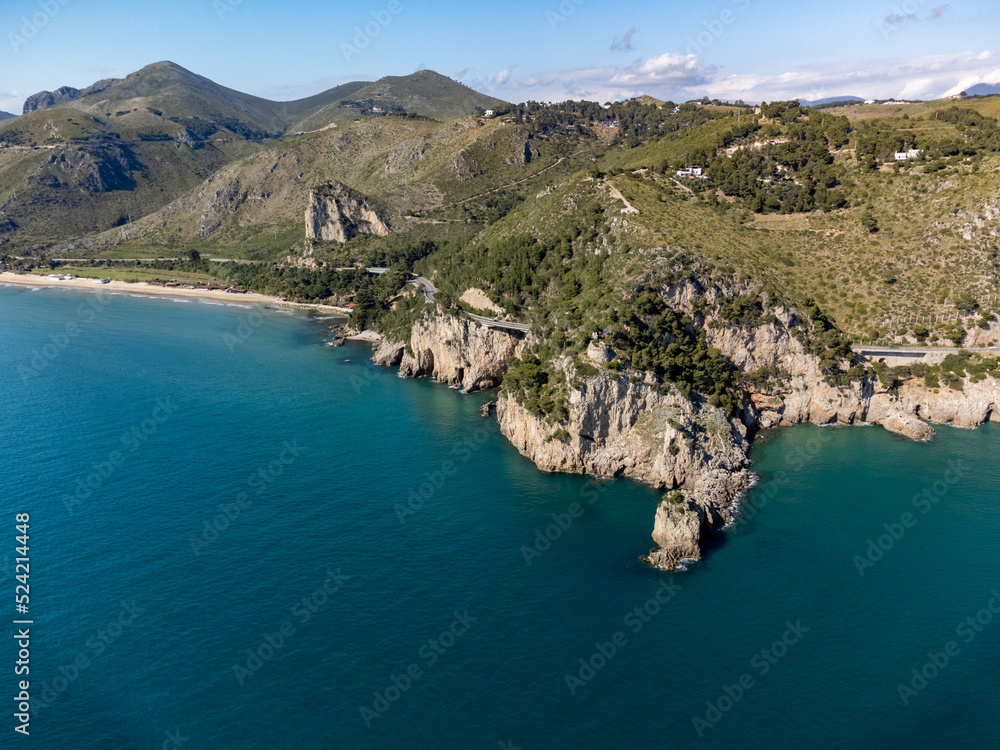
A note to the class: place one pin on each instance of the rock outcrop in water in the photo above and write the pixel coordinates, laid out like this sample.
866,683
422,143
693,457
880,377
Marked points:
336,213
619,425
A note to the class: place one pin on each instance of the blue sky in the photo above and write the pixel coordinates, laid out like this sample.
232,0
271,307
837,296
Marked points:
517,50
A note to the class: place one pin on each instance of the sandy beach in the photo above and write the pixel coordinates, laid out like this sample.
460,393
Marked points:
141,287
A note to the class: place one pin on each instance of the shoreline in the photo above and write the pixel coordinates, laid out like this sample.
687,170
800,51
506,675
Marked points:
143,287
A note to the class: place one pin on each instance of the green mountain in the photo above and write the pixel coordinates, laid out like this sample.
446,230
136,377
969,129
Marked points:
6,115
165,91
424,93
814,202
80,162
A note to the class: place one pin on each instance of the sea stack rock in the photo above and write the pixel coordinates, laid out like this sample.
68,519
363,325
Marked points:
677,532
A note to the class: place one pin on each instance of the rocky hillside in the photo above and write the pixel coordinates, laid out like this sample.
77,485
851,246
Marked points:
170,129
627,422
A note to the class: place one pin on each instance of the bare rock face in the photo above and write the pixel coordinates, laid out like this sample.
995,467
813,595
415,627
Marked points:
458,351
974,405
677,531
620,428
478,299
336,213
388,353
402,156
599,353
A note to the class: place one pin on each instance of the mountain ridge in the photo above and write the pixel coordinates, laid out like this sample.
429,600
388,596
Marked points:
168,87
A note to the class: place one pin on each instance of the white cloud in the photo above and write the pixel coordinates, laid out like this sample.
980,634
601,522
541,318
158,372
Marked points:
681,77
11,101
615,82
503,76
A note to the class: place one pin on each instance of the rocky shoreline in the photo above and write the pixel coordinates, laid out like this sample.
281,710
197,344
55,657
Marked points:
646,431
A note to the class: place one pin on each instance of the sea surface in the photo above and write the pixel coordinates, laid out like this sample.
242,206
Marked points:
241,538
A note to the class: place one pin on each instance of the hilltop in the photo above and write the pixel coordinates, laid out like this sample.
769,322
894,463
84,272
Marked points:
166,91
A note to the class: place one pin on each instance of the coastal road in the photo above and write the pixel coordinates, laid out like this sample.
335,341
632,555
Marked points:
147,260
899,355
501,324
429,289
425,284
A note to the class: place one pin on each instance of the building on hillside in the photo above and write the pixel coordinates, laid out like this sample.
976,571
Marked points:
690,172
488,113
913,153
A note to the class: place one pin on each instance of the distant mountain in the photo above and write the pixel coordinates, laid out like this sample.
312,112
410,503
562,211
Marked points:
6,115
983,89
165,91
99,158
64,94
423,93
830,100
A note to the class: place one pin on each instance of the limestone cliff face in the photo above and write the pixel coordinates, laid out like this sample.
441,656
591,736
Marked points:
456,351
806,396
620,428
631,426
336,213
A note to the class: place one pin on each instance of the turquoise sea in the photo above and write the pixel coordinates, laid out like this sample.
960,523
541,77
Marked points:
241,538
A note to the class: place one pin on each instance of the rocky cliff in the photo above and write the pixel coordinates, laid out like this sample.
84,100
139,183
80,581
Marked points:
337,213
620,428
452,350
622,425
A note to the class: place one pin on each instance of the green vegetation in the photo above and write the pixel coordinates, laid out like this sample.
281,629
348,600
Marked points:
538,388
571,217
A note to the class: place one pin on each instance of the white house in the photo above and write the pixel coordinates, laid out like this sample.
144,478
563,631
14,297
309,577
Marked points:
689,172
913,153
488,113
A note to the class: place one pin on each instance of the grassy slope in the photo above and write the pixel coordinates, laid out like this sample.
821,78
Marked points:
405,166
933,243
934,239
47,170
